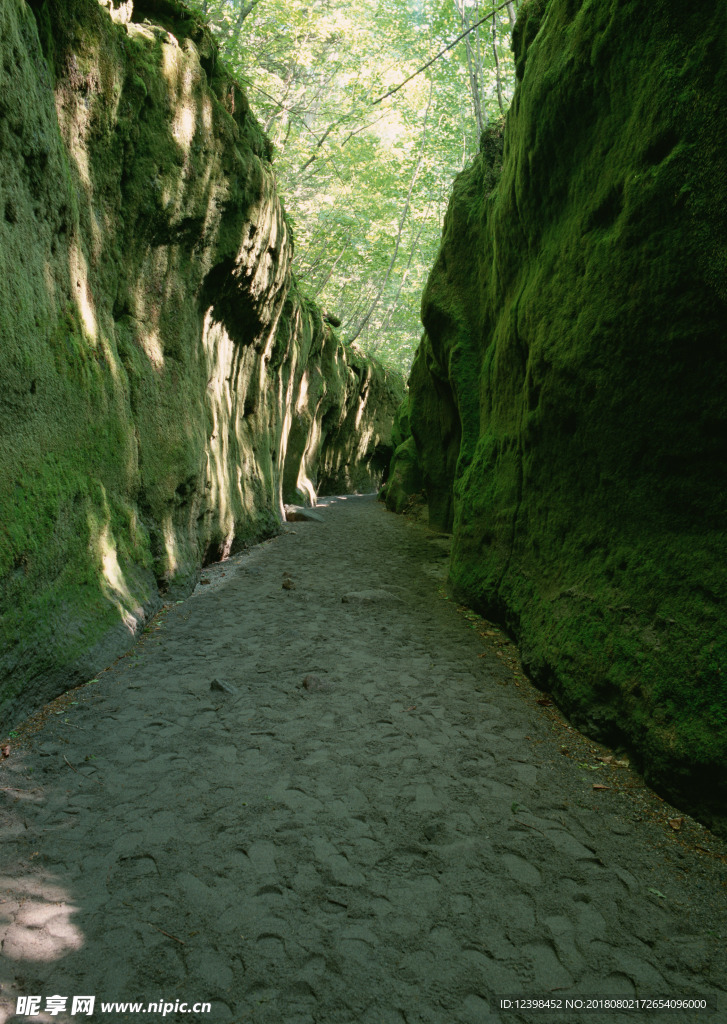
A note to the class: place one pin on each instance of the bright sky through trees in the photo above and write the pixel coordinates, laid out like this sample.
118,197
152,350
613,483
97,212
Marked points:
366,183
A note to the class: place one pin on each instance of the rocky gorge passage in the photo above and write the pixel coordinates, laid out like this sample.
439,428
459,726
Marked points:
315,793
567,401
166,384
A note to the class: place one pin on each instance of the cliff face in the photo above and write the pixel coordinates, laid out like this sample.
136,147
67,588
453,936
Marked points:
164,386
569,399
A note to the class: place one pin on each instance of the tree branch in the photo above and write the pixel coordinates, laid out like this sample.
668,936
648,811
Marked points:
441,52
245,9
350,135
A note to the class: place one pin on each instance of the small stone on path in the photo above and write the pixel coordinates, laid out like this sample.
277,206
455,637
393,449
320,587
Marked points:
295,514
218,684
314,684
370,597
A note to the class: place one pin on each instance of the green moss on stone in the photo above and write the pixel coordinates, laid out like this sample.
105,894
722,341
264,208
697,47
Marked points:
155,343
568,399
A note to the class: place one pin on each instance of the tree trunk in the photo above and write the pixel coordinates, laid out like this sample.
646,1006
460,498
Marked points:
395,303
404,213
498,78
474,64
245,9
335,263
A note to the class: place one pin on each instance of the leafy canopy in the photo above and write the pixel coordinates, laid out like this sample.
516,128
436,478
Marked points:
366,184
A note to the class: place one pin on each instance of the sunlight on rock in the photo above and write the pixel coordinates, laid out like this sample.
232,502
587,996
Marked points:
303,393
148,297
360,413
182,72
310,457
121,12
206,113
170,545
142,31
184,125
76,141
306,487
264,237
226,547
110,356
153,347
364,441
219,352
171,64
36,922
79,280
112,581
111,567
76,122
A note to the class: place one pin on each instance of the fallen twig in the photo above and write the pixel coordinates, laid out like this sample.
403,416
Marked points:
168,934
530,826
151,923
97,781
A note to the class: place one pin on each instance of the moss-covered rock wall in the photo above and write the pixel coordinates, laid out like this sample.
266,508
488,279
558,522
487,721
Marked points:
164,385
569,399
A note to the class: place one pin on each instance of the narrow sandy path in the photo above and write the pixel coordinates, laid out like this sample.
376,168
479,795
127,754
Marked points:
400,840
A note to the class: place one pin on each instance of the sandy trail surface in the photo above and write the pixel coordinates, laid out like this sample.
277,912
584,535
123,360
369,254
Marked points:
377,824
